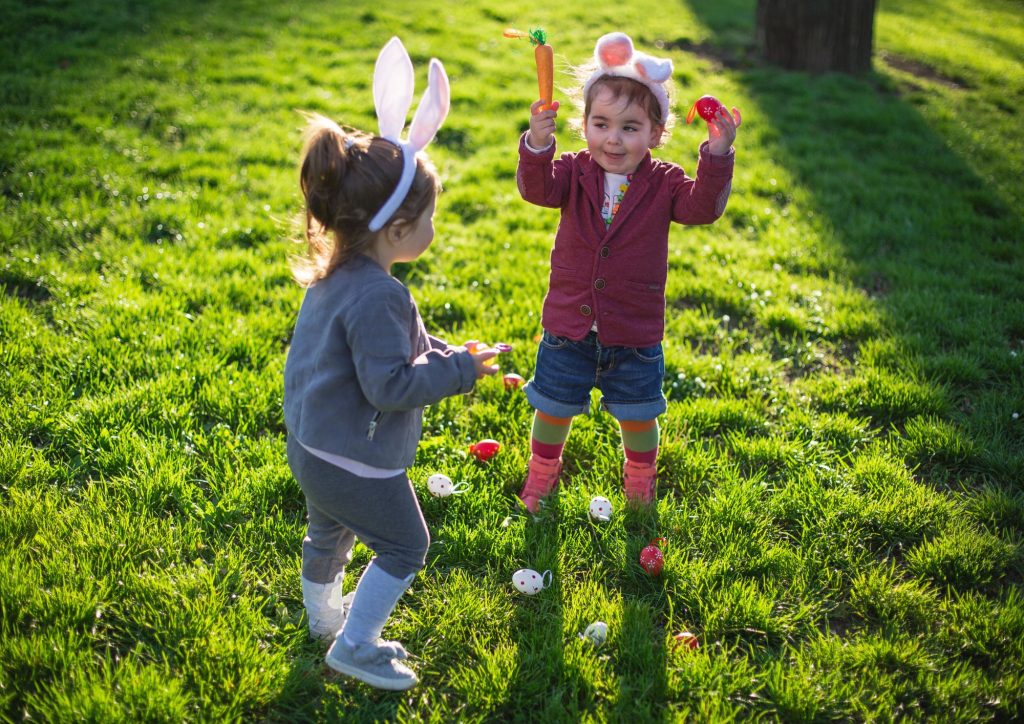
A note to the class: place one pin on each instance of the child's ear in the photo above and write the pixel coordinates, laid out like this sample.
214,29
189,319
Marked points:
397,230
657,131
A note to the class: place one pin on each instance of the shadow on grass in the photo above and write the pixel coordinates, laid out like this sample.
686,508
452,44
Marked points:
554,682
927,241
932,247
538,694
54,54
642,658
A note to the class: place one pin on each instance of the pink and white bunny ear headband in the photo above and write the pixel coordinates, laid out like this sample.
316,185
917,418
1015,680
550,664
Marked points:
615,56
393,84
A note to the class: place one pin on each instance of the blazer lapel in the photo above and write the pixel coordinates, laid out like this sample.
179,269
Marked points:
592,181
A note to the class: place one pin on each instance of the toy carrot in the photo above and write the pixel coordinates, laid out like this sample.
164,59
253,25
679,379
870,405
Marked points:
544,56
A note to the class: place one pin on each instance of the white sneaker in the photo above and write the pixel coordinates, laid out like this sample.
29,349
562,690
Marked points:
326,607
377,664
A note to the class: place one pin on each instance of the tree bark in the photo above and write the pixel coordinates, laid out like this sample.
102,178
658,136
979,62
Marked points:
817,35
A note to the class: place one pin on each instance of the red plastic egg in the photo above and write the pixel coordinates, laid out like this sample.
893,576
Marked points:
484,450
685,640
652,560
706,107
512,381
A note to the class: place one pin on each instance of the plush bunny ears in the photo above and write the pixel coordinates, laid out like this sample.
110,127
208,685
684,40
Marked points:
615,56
393,84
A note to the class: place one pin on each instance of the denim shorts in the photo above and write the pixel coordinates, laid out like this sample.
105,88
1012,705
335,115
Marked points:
629,378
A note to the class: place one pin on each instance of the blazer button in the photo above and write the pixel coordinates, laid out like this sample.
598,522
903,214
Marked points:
605,251
585,310
599,283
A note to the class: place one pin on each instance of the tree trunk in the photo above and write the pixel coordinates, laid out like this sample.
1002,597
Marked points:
817,35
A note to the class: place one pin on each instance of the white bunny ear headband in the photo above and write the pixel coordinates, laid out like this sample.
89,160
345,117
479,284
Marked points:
615,56
392,96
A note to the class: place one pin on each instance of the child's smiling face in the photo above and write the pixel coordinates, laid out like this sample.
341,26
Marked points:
619,132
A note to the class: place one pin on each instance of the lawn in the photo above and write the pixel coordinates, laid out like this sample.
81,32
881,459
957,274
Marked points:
842,461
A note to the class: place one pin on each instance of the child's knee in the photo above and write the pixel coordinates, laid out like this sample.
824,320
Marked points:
418,551
407,558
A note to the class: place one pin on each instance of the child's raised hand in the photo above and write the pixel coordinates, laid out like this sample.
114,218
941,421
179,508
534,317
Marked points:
542,125
722,130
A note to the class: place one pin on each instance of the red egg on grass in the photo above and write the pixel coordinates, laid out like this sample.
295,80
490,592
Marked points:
651,560
686,641
512,381
484,450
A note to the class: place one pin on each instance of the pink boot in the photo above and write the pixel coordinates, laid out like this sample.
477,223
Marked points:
638,481
541,479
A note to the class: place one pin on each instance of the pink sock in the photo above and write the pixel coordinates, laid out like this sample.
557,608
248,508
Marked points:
545,450
647,458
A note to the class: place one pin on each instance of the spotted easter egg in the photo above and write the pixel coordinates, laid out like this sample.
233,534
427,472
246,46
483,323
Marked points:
439,485
530,582
600,508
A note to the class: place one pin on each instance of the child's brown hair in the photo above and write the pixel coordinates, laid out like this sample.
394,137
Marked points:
345,177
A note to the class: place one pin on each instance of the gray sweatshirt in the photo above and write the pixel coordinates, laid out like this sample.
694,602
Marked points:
361,367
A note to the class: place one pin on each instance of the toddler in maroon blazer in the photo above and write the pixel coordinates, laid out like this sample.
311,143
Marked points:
604,313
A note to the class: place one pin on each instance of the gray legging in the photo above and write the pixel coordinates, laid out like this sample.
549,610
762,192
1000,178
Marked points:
382,513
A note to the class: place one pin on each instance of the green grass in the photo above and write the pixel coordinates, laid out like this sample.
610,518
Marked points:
842,458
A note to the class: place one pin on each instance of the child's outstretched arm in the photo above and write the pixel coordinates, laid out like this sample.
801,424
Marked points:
481,358
377,331
542,180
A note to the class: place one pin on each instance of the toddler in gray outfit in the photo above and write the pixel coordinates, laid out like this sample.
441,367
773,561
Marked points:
360,369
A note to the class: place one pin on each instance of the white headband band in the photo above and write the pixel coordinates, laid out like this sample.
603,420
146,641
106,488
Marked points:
615,56
393,84
401,190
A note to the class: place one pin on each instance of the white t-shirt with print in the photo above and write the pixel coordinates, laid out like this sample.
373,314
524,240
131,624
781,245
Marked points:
615,185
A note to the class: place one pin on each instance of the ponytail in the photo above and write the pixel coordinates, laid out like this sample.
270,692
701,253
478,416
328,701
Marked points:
345,177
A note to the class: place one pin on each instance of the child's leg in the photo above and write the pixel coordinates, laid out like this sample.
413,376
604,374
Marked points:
640,440
327,547
383,513
546,443
376,597
561,384
326,550
549,435
632,387
390,524
640,444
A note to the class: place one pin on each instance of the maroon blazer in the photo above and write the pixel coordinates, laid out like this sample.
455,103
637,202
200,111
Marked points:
616,276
